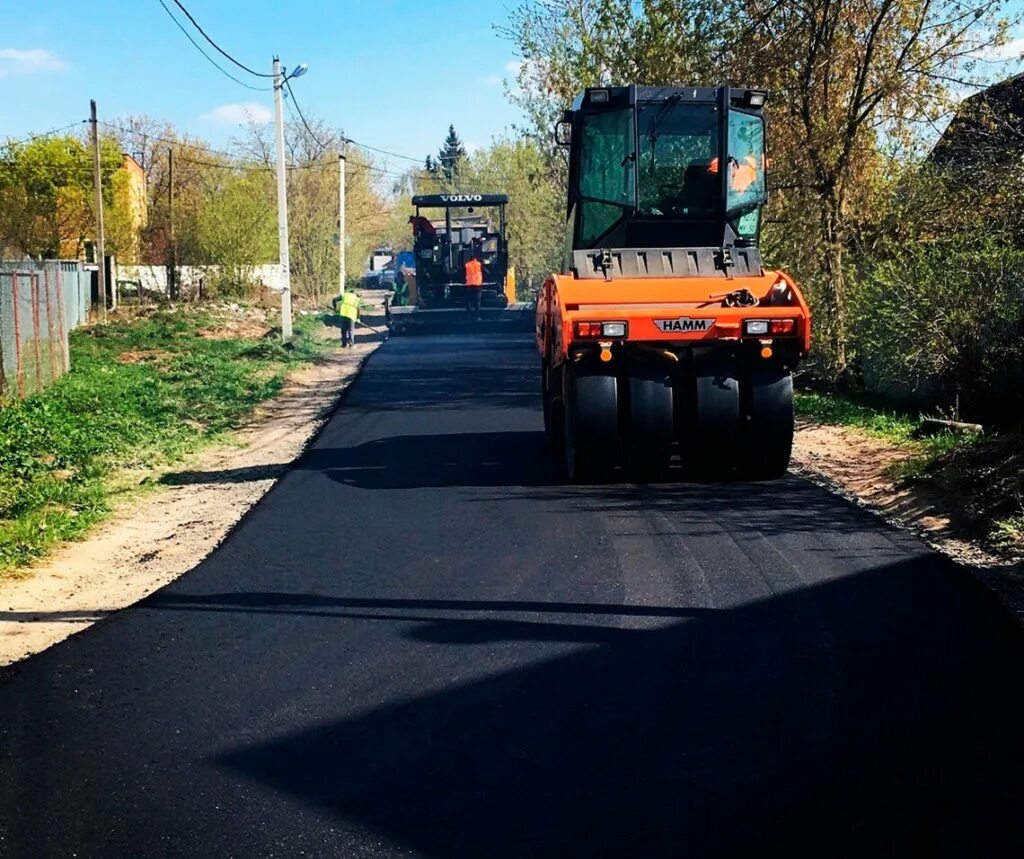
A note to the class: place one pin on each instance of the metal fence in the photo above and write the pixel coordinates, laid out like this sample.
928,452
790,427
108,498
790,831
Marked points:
39,304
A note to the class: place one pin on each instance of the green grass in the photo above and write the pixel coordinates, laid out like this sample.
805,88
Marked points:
893,426
141,392
982,477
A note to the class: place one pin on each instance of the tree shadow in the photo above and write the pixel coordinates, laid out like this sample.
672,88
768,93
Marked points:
853,718
503,387
502,459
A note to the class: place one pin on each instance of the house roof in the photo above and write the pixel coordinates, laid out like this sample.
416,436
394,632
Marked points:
988,125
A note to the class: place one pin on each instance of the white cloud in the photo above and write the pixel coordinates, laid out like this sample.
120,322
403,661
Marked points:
240,113
473,147
28,61
1012,50
511,71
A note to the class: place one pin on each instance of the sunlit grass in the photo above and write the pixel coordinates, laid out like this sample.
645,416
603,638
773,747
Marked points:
141,392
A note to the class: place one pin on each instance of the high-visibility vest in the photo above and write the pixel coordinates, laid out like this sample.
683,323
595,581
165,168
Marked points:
474,273
349,307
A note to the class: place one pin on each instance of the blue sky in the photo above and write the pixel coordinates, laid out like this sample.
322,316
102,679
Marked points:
392,73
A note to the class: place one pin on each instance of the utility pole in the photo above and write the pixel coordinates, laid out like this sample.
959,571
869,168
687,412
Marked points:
282,209
172,274
98,180
341,221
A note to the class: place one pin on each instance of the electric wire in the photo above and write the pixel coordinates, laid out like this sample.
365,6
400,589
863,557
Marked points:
43,134
202,32
234,163
210,59
298,109
383,151
166,140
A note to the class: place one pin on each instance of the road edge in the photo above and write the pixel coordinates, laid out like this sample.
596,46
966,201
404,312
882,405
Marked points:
156,538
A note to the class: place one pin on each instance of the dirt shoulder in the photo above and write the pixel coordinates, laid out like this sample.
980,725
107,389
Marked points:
857,465
155,538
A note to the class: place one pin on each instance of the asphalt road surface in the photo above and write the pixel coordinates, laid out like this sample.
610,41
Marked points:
422,642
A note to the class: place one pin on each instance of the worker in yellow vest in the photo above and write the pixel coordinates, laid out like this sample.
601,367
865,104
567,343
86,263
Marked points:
347,307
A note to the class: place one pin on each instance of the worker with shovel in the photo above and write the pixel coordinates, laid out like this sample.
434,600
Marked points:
346,306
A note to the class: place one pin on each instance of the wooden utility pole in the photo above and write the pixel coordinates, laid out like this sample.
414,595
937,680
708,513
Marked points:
98,180
172,274
341,222
282,207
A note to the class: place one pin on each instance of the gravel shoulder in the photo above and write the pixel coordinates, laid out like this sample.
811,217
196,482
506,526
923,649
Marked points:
155,537
855,464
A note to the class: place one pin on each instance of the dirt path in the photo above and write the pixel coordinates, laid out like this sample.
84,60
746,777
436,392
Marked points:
156,538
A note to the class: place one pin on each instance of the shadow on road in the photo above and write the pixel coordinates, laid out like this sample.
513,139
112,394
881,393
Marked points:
512,460
425,461
488,387
413,462
734,733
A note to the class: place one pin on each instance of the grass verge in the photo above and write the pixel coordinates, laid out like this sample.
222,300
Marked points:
981,476
896,427
142,391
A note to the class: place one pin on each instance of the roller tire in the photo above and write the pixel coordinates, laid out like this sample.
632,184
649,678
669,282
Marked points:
591,446
554,420
651,427
768,441
715,434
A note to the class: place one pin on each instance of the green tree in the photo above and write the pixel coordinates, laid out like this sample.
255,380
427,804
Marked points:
46,194
850,80
235,229
313,202
450,159
536,208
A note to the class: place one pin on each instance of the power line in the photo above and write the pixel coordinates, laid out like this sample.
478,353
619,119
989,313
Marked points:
309,130
255,165
211,60
348,140
251,165
49,133
166,140
206,149
195,24
383,151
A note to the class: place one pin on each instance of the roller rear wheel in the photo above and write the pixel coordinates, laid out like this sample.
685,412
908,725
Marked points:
554,420
649,448
591,424
768,440
715,424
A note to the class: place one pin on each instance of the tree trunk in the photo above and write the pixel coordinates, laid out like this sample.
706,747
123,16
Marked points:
834,285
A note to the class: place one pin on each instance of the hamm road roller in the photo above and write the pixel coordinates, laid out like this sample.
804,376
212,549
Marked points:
664,336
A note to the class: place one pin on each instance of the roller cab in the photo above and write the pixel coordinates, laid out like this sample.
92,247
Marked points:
664,339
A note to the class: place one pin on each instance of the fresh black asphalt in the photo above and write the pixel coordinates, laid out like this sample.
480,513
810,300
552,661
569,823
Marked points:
422,642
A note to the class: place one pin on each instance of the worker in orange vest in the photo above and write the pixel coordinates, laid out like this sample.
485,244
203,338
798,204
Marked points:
474,285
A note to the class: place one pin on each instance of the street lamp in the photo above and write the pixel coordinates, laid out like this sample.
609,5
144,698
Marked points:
282,197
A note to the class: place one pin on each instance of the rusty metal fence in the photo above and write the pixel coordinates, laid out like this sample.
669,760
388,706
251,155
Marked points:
39,304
